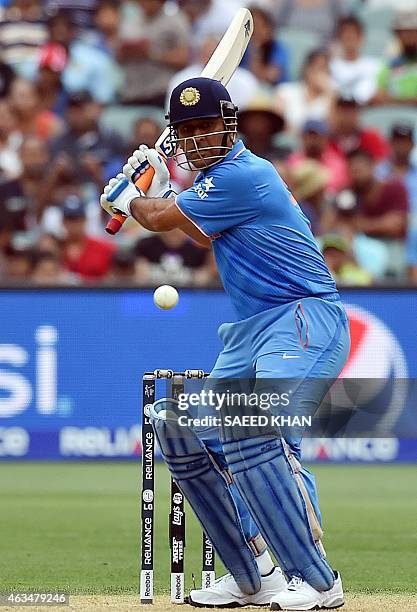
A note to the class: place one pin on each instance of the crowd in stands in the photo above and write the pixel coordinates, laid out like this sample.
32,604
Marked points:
327,91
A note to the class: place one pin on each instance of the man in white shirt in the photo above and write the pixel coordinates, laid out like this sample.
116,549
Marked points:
153,46
353,75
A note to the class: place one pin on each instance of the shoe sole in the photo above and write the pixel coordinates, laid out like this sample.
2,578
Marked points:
276,606
231,605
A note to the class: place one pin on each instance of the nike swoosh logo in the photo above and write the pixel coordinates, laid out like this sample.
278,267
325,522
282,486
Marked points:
285,356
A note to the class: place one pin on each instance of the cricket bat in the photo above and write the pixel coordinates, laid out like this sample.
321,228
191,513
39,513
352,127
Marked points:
221,66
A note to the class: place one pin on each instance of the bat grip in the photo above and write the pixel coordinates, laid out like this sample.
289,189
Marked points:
143,183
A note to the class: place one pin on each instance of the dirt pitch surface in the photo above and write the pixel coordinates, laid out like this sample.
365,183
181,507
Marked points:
114,603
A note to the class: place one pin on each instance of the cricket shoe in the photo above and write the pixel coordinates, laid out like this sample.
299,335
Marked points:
225,593
300,596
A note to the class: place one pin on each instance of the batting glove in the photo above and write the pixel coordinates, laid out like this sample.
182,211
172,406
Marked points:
118,195
140,161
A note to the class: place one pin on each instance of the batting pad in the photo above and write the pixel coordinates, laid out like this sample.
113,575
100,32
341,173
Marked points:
207,493
266,482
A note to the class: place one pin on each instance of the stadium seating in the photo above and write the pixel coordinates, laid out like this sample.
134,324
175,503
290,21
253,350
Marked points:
377,19
299,44
376,42
383,117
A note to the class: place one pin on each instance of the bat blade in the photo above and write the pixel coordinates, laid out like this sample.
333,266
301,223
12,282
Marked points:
223,63
221,66
230,50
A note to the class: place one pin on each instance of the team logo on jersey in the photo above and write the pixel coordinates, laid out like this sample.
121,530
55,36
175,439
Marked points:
190,96
202,189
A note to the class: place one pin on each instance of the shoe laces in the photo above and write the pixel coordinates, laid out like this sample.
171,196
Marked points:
295,583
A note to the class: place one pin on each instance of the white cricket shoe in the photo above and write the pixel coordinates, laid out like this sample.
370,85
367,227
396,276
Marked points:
226,594
300,596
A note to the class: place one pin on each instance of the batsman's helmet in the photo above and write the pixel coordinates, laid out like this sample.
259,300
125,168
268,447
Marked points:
202,98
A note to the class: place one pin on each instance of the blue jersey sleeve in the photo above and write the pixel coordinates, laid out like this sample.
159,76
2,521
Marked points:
219,200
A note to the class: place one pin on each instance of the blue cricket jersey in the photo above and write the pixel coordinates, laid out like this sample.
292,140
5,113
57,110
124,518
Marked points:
264,249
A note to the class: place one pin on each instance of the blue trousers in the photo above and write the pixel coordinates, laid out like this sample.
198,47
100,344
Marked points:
307,339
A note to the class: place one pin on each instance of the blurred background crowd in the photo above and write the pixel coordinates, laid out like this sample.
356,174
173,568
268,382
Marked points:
327,91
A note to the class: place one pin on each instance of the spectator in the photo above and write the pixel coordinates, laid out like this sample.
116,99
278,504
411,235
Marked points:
400,167
397,82
80,12
6,234
61,29
19,263
87,257
94,154
348,135
341,262
308,182
90,66
22,33
172,257
320,16
372,209
107,22
24,197
50,89
48,270
10,164
153,46
371,253
381,206
196,15
123,270
311,98
266,57
353,75
60,183
315,137
242,86
49,243
31,119
7,75
259,124
145,131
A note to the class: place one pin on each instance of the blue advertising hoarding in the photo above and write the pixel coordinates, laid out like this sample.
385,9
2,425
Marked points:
71,363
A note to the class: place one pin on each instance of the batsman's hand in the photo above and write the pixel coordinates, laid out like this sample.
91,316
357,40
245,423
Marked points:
118,195
140,161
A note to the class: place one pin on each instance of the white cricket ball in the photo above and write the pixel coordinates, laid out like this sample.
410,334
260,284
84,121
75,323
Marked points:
166,297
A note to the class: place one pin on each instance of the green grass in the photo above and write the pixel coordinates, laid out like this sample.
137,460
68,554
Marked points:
75,527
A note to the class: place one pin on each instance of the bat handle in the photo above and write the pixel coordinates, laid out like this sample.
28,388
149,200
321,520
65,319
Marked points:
143,183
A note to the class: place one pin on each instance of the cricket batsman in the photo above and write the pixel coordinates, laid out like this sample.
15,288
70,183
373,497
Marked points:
247,487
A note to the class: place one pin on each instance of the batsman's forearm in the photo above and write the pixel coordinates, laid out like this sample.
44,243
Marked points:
162,215
153,213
